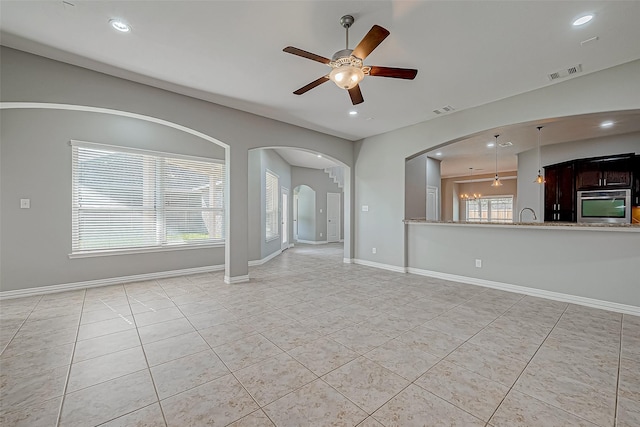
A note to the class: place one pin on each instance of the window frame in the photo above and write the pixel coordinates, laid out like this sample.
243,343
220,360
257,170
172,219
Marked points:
162,243
272,214
489,219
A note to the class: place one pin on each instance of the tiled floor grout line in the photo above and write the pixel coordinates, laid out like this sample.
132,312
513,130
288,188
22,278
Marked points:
534,354
21,324
525,366
146,360
226,366
615,409
361,287
73,353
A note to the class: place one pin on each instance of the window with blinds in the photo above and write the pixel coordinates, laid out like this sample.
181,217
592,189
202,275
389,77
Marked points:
490,209
135,199
271,205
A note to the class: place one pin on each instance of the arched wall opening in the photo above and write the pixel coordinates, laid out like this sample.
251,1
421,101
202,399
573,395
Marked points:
467,165
308,178
38,160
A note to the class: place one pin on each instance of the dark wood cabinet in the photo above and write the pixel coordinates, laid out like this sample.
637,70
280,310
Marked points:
604,172
559,193
564,180
635,193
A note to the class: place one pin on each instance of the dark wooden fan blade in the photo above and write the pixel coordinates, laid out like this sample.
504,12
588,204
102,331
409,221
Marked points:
374,37
312,56
396,73
311,85
356,95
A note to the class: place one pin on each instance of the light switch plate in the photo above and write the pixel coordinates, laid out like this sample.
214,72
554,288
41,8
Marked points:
365,208
25,203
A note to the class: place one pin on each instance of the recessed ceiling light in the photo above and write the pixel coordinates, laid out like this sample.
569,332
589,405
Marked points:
319,156
120,25
606,124
582,20
490,144
353,113
439,153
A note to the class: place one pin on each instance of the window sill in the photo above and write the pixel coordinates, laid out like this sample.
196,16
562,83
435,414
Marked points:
169,248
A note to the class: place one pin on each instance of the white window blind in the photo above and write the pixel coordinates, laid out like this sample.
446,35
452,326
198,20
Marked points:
490,209
271,205
126,199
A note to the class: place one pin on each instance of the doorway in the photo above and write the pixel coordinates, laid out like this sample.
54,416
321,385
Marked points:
333,217
285,218
433,209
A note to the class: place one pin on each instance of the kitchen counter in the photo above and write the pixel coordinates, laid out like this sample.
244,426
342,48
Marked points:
595,264
537,225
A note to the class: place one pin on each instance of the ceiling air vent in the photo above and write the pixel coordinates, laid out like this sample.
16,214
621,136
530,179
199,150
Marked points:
445,109
565,73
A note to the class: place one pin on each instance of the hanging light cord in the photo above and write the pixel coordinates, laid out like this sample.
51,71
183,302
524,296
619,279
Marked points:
539,160
497,155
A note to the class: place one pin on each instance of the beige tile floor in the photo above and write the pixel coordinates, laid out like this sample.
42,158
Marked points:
311,341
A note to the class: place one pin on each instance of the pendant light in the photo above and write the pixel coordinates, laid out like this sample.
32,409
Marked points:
540,178
496,181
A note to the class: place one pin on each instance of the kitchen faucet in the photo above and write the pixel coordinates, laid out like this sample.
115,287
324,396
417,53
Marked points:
532,211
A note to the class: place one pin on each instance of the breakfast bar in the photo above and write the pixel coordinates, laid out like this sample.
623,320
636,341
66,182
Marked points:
593,264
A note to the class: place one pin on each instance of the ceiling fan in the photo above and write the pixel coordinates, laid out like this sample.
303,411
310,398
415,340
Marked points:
347,67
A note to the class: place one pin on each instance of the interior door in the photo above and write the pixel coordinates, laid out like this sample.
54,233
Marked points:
285,218
432,204
333,217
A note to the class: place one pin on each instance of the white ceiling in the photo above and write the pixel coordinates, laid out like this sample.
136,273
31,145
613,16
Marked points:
305,159
468,53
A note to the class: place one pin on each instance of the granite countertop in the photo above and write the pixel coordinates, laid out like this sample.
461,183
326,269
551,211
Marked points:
527,224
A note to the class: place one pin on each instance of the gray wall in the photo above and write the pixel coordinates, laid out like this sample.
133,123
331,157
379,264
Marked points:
320,182
261,160
415,201
532,194
33,79
36,164
380,160
557,260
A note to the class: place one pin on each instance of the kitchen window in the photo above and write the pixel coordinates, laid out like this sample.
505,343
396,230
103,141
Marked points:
490,209
135,200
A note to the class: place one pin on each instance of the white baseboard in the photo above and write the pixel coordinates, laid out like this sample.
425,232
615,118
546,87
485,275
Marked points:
312,242
379,265
347,260
236,279
42,290
265,259
557,296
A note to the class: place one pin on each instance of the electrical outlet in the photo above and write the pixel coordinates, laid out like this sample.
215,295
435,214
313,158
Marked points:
320,210
365,208
25,203
373,250
320,234
479,263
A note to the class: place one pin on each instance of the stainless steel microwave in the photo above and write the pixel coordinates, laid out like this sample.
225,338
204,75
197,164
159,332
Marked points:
604,206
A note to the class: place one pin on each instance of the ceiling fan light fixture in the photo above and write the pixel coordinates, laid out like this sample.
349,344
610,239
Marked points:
346,76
